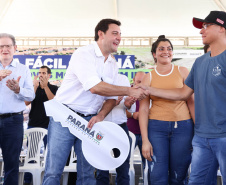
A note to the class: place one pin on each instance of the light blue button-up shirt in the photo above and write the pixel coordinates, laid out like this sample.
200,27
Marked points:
11,102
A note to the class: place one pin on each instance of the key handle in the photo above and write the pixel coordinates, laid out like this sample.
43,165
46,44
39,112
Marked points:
97,143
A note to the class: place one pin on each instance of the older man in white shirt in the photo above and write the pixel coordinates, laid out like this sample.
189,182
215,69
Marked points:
15,88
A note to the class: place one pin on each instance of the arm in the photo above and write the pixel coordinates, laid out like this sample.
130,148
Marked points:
129,101
106,108
91,80
23,89
105,89
147,149
134,115
27,103
171,94
44,85
191,107
119,100
35,85
190,101
49,94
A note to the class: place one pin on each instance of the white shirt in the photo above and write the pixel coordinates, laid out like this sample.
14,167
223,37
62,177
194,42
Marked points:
118,113
86,69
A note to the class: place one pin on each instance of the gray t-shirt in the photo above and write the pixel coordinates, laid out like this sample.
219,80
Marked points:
208,80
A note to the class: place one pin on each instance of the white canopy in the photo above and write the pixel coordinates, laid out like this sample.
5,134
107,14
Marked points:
79,17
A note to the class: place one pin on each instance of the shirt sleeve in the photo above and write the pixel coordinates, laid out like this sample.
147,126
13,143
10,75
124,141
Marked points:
55,90
190,79
26,89
83,66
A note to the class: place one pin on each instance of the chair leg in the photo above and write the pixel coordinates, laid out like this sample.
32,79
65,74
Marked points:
65,178
132,177
36,178
42,176
21,178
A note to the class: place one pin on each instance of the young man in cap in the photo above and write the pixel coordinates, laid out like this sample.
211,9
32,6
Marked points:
208,80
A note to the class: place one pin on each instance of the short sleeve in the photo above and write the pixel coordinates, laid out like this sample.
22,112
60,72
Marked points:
190,79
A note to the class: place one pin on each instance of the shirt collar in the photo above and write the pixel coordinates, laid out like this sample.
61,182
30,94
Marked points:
48,84
97,50
99,53
13,63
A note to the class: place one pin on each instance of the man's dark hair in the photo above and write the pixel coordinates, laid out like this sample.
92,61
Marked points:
48,69
103,26
161,38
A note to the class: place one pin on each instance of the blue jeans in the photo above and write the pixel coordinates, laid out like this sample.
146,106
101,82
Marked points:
11,138
208,154
172,150
122,177
27,175
60,141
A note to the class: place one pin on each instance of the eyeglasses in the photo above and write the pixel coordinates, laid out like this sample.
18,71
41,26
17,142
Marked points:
7,46
204,26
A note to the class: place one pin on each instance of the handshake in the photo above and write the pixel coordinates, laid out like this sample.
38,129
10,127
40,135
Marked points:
139,91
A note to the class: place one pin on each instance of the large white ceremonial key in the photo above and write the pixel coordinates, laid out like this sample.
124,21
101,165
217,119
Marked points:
97,143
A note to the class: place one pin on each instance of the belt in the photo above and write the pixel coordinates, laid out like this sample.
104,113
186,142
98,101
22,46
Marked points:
10,114
80,114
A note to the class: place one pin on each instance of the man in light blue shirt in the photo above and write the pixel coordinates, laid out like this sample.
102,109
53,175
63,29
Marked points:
15,88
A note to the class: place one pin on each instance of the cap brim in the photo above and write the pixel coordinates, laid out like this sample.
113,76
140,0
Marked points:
198,22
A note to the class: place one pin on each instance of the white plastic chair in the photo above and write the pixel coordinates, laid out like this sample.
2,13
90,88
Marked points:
35,138
72,167
131,168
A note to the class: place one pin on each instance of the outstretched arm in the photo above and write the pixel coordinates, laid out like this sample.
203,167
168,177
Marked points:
190,101
171,94
105,89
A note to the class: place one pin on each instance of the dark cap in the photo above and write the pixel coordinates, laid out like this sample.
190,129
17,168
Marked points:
216,17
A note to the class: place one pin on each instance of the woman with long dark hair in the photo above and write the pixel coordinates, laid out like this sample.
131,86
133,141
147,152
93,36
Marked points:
167,127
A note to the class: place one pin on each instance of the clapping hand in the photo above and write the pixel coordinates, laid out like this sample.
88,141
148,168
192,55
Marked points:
4,73
43,81
14,85
119,100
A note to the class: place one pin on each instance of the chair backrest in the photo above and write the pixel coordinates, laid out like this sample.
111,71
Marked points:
35,139
133,137
73,157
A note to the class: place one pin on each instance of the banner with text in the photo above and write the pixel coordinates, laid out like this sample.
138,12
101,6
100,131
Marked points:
59,63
